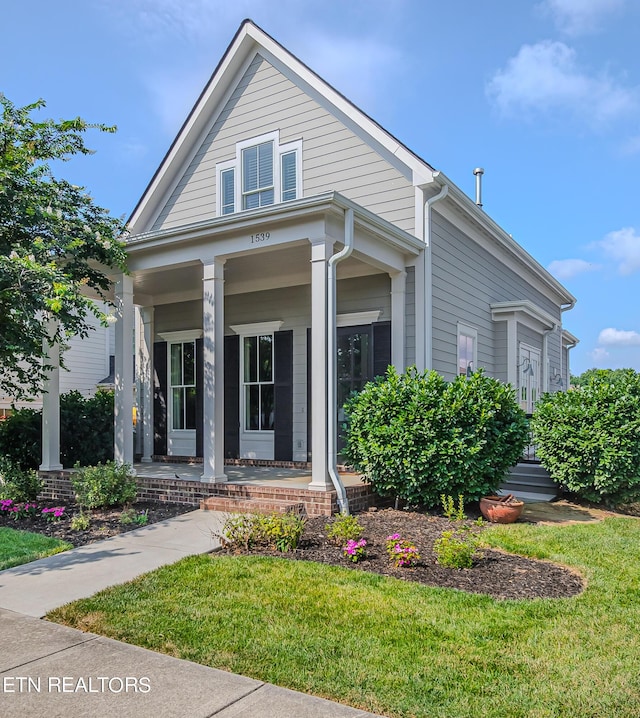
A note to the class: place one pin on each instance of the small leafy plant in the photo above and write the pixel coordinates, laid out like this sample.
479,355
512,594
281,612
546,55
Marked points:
457,548
80,522
18,484
131,516
401,552
280,531
355,550
344,529
450,510
108,484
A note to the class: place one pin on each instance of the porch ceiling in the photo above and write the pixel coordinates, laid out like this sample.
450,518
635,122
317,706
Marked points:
285,266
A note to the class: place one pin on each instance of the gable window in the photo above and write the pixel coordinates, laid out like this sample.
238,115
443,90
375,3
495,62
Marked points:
263,173
467,350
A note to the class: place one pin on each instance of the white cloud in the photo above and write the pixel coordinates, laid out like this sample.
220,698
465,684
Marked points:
577,17
546,77
568,268
623,246
599,356
619,338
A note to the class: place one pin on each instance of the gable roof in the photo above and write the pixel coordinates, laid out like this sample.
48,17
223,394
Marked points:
247,42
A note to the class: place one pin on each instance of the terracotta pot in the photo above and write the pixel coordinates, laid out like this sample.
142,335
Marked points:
501,509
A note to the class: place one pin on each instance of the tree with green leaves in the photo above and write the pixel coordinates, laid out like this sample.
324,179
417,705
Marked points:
57,246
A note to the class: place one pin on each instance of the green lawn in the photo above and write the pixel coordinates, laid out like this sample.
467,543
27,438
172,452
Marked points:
17,547
397,648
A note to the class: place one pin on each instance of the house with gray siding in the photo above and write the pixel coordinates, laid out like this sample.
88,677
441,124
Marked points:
286,251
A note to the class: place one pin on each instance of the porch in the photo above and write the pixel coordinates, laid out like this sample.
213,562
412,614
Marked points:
248,488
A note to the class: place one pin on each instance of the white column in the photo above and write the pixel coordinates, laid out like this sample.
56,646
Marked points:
123,414
320,253
398,321
145,372
423,308
512,352
213,371
51,408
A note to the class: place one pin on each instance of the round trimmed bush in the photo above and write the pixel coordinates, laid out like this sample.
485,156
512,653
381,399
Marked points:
588,438
416,436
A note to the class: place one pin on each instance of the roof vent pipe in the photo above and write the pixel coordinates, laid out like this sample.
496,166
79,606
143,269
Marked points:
478,172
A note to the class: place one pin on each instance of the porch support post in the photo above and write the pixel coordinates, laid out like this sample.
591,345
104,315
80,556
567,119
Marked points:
398,321
123,410
51,407
321,250
512,352
145,371
423,307
213,371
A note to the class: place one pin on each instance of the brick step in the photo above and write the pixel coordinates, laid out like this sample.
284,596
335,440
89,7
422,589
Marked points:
251,506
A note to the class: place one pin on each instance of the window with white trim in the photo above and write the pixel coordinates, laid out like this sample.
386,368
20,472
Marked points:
259,397
182,374
467,349
263,173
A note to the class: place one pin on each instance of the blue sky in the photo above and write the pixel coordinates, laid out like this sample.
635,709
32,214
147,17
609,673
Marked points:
544,94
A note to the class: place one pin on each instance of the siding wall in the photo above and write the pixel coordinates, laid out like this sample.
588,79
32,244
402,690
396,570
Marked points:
467,279
334,158
292,306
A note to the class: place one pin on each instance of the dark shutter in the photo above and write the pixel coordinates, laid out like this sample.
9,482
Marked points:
160,398
199,395
382,348
232,397
283,429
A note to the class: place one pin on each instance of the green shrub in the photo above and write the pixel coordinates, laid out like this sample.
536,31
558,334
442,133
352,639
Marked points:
18,484
280,531
343,529
450,510
104,485
401,551
80,522
21,438
457,548
588,438
131,516
86,431
416,436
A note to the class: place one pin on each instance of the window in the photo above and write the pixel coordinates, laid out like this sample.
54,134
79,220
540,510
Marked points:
183,385
227,190
262,173
257,359
467,350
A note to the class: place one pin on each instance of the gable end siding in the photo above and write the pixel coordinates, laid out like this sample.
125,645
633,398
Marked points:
334,158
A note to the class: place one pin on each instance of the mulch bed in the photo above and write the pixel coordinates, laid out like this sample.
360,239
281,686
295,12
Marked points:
495,573
105,523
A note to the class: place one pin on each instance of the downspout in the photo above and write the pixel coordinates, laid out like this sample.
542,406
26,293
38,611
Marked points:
565,308
332,366
428,278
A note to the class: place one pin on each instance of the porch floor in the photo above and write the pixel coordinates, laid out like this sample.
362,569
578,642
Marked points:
243,475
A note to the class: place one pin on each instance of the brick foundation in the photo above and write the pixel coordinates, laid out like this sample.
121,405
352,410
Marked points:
316,503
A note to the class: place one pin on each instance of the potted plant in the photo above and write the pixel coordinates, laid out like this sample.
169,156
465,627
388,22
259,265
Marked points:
501,509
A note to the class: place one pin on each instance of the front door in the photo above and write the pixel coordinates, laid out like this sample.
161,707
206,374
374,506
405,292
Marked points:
354,367
257,397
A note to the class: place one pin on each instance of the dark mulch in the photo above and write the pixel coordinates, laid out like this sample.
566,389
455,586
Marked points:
105,523
494,573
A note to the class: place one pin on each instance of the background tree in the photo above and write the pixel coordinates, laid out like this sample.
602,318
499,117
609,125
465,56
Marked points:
612,375
56,245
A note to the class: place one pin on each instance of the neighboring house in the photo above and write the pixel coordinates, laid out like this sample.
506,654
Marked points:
271,175
86,365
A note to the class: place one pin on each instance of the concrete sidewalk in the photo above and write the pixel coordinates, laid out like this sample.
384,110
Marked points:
53,670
